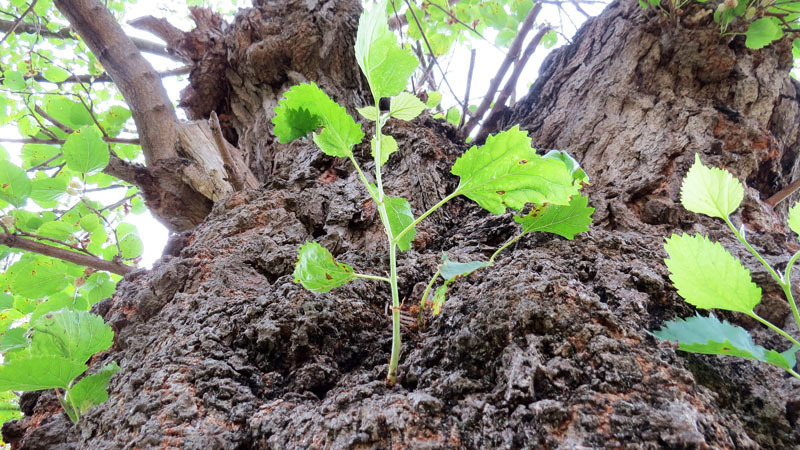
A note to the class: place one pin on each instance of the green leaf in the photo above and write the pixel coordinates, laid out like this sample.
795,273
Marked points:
507,173
56,230
439,296
305,108
713,192
450,270
317,271
453,116
14,338
92,389
130,246
13,80
550,39
37,277
707,276
398,211
406,106
48,191
563,220
98,287
15,187
710,336
386,65
90,222
39,372
9,407
85,151
574,166
794,218
74,335
369,113
763,32
388,146
70,113
57,302
434,98
55,74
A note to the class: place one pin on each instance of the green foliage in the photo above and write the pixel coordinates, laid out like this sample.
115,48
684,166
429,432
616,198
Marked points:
563,220
305,108
504,173
318,271
710,336
52,354
762,22
711,191
709,277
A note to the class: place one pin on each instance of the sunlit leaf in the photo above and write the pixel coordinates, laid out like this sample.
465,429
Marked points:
92,389
710,191
74,335
707,276
85,151
318,271
563,220
37,373
15,187
406,106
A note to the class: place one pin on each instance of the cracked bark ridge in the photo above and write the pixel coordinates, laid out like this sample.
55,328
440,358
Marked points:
548,349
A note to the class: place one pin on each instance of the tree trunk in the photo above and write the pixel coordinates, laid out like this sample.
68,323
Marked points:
548,349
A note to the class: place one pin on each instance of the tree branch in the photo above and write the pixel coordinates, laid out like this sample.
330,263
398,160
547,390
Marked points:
136,79
20,243
106,78
154,48
511,56
16,23
489,124
33,140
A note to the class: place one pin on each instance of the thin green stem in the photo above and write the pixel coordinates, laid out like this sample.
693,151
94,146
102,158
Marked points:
372,277
394,360
793,373
504,246
378,151
426,214
363,178
774,328
749,247
787,288
427,291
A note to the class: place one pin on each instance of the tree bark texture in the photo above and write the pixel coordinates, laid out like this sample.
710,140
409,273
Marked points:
219,348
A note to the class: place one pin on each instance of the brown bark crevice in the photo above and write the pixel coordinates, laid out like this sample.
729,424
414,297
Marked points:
550,348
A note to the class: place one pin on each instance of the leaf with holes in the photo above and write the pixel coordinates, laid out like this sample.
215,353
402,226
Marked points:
318,271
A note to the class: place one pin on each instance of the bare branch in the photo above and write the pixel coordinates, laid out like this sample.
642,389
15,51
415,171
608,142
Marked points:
227,161
469,85
21,243
136,79
489,124
154,48
513,53
18,21
33,140
52,120
106,78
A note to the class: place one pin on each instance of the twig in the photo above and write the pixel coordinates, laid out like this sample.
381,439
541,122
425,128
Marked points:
18,21
430,49
43,165
52,120
510,87
81,259
469,85
106,78
33,140
513,53
783,193
55,241
144,45
118,203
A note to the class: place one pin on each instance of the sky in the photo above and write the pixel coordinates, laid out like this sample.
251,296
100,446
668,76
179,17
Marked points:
488,58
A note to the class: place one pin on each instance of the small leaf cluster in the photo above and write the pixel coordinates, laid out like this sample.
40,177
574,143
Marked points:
51,353
707,276
766,21
504,173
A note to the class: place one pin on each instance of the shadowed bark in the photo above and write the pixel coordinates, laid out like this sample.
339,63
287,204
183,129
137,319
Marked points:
550,348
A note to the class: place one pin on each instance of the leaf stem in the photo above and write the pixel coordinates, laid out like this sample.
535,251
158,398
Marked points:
394,359
427,291
426,214
504,246
773,328
363,179
787,287
371,277
749,247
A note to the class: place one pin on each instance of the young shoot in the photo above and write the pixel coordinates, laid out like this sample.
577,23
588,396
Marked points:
709,277
504,173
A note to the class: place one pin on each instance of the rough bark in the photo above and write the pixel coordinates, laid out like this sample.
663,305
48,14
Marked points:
548,349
